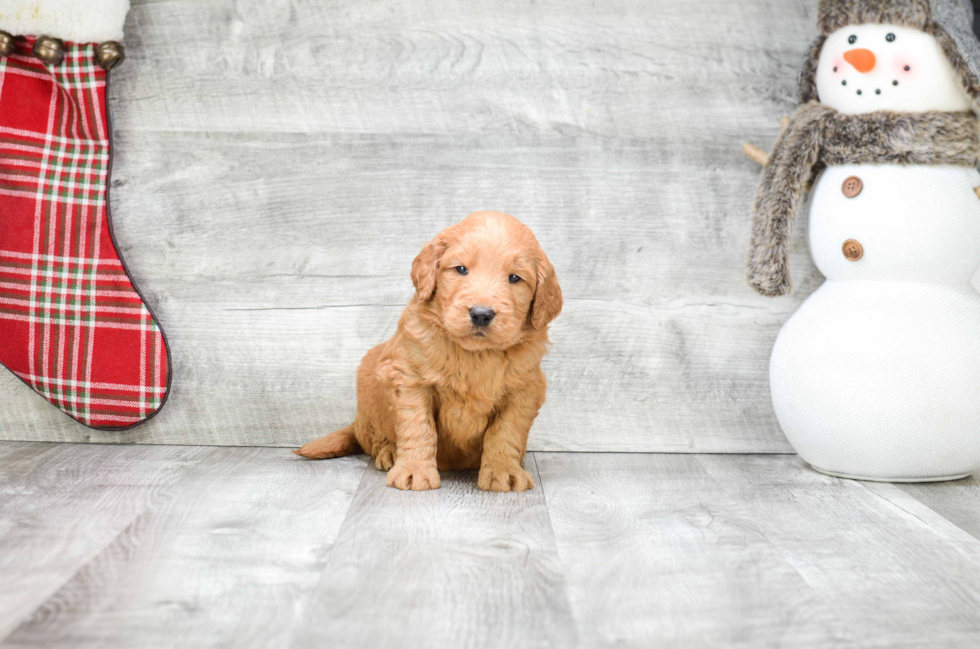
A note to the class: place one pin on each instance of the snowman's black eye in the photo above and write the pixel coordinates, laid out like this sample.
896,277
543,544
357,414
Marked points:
852,39
890,37
907,68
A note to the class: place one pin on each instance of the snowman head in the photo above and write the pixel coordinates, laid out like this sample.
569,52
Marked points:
893,55
869,67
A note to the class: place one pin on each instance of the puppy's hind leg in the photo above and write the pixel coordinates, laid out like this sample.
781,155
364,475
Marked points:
384,453
336,444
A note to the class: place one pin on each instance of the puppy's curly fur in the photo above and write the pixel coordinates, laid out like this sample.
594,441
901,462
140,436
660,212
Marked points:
444,393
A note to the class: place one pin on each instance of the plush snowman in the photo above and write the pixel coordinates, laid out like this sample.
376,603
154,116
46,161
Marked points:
877,375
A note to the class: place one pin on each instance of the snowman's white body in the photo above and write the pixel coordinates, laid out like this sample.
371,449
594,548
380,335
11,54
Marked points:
877,375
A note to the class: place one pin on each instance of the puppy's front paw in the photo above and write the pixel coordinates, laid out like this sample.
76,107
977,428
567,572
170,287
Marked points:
506,478
417,477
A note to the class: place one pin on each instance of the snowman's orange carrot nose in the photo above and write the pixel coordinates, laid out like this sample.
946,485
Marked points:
863,60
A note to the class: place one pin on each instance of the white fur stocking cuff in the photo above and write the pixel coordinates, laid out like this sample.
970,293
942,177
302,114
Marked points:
79,21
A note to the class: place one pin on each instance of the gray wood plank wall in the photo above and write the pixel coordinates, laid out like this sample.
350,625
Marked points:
280,162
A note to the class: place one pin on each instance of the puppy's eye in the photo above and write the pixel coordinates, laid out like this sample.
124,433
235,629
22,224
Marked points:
514,279
852,39
890,37
462,270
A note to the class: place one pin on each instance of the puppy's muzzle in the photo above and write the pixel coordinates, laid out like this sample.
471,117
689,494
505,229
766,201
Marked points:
481,316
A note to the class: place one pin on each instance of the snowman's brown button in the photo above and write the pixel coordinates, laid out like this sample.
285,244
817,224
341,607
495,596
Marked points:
853,250
852,186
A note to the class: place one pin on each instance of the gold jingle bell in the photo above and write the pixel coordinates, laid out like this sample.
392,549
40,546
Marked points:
109,54
49,49
6,43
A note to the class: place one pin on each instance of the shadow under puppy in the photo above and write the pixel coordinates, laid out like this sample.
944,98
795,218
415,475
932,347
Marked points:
460,383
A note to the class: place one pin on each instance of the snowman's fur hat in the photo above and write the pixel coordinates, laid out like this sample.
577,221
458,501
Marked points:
950,22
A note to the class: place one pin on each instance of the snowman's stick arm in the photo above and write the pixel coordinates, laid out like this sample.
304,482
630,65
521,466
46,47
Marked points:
754,153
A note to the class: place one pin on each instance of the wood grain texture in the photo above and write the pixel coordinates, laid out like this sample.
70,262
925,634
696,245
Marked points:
894,572
454,567
229,558
957,501
60,505
279,163
168,546
656,553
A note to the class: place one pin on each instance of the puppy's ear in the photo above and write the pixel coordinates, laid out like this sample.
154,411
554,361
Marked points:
425,269
547,295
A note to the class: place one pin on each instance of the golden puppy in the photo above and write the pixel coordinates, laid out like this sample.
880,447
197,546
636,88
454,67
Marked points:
460,383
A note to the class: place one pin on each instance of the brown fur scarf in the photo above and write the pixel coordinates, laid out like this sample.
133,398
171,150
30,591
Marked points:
818,136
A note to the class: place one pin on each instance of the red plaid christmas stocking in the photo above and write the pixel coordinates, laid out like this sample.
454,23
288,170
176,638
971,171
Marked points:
72,324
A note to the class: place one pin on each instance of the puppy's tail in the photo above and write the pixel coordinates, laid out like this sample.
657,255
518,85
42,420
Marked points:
336,444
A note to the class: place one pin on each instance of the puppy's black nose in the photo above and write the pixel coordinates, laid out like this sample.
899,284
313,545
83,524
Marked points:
481,315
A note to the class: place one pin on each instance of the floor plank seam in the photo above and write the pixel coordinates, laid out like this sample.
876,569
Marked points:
554,537
776,545
312,592
958,547
154,502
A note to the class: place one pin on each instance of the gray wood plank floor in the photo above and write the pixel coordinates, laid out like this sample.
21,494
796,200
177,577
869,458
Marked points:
279,163
171,546
60,506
